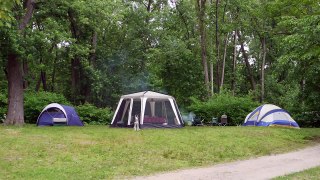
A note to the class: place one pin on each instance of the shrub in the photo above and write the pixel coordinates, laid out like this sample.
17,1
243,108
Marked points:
34,102
90,114
3,106
308,119
236,108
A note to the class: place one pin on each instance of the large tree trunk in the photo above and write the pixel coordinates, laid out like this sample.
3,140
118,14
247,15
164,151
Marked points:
234,63
246,60
224,61
264,53
201,15
15,114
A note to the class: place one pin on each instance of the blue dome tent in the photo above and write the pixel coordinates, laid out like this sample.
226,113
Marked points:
57,114
269,115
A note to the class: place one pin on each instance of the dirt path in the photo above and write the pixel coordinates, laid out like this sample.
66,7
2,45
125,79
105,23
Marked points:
265,167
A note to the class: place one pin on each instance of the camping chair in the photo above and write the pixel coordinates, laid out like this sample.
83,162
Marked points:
214,121
197,121
223,120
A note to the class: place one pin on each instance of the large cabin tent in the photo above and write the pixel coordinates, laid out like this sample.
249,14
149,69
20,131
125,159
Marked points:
57,114
153,109
270,115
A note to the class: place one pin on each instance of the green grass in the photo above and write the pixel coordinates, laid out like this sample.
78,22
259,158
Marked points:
100,152
310,174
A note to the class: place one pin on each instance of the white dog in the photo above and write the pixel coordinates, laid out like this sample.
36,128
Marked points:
136,123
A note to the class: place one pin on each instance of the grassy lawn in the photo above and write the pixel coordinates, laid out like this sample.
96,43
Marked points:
100,152
310,174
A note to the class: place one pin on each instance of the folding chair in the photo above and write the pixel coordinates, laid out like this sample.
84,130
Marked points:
214,121
197,121
223,120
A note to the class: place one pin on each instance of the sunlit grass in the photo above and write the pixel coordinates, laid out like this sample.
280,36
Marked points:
310,174
100,152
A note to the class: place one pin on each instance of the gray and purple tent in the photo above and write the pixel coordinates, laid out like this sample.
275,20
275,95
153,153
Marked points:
57,114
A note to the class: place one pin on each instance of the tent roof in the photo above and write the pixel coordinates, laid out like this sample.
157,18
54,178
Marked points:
148,94
55,105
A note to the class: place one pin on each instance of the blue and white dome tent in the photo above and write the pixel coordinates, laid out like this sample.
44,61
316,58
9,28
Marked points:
57,114
270,115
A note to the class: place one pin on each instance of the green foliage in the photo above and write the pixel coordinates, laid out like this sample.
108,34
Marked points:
92,115
35,102
236,108
3,106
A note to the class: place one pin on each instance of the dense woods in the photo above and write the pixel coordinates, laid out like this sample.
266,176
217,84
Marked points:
91,52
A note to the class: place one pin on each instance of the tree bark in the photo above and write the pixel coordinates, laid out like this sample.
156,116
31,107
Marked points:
25,73
75,79
201,15
94,41
43,75
217,47
75,62
224,61
234,63
54,71
38,84
246,60
15,114
264,53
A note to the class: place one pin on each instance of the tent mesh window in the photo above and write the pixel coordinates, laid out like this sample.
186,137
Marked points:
159,111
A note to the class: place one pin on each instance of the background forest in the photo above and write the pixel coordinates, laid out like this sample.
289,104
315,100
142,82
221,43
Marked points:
213,56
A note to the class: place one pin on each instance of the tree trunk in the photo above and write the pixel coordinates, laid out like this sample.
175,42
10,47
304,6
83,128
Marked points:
201,15
217,46
75,62
75,79
25,73
54,71
44,80
264,53
15,114
246,60
224,61
93,48
234,63
211,78
38,84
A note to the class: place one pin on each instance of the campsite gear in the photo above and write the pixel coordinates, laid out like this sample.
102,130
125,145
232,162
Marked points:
269,115
136,123
214,121
57,114
155,109
197,121
223,120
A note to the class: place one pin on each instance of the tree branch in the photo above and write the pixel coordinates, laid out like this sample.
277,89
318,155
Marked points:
30,4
